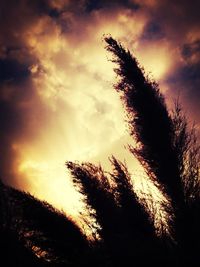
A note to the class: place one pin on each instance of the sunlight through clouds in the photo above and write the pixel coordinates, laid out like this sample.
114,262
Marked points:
67,107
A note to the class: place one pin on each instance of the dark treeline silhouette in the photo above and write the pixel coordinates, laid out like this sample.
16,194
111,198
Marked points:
128,229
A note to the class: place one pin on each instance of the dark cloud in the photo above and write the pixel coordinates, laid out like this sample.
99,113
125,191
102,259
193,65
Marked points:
11,69
21,112
191,49
186,81
16,17
91,5
17,93
176,18
54,13
169,19
152,32
11,123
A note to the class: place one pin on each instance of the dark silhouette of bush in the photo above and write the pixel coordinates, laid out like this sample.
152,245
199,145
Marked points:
40,228
125,224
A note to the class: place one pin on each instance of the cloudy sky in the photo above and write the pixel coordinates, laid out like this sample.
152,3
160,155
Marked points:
57,102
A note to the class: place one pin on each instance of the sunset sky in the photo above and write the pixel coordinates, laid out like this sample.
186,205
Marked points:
57,101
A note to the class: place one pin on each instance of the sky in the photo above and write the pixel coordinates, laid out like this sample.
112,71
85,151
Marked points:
57,101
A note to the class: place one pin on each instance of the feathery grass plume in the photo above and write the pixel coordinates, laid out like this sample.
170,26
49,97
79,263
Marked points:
188,151
186,145
50,234
166,148
139,230
139,208
101,200
137,216
188,154
95,186
149,121
125,228
97,190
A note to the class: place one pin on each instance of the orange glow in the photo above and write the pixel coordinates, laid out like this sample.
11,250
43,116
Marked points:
81,116
156,59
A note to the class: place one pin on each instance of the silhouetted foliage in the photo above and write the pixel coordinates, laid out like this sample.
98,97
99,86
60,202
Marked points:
124,225
40,228
149,121
166,148
123,222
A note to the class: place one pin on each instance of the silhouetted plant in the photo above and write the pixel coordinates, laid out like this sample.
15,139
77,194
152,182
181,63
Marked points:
123,221
166,147
40,228
126,230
